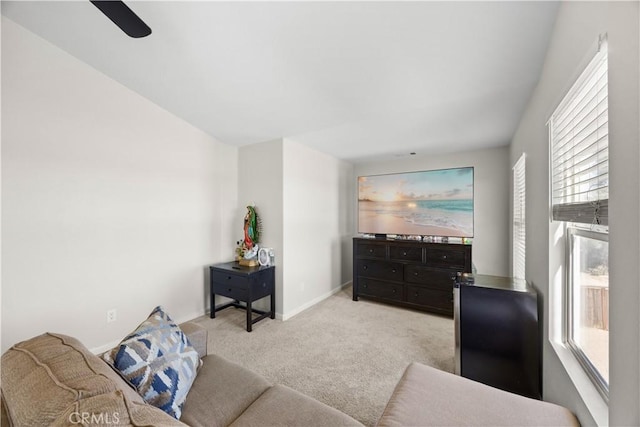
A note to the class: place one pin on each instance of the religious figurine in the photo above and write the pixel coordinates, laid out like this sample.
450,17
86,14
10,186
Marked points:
247,249
250,227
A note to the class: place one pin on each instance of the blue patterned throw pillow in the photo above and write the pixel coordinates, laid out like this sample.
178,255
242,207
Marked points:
159,361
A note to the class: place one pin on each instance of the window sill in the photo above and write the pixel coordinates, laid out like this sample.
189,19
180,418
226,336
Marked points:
592,399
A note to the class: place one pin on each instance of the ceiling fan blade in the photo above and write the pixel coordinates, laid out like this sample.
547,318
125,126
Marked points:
123,17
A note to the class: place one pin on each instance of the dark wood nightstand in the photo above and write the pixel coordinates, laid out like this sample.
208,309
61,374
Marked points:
243,284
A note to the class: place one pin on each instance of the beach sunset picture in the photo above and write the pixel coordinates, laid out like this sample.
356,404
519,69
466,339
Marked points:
428,203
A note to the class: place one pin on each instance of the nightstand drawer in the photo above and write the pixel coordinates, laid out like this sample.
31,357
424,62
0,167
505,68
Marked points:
230,291
230,279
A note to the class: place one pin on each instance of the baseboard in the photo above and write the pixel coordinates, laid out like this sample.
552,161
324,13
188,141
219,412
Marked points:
279,316
311,303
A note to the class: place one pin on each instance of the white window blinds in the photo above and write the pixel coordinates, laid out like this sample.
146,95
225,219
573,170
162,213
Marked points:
579,135
519,232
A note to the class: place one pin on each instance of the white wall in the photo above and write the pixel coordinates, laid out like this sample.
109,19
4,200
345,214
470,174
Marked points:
303,198
260,184
108,201
317,229
490,251
573,43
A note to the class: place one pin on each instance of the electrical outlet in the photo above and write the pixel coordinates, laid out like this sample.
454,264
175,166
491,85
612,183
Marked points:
111,315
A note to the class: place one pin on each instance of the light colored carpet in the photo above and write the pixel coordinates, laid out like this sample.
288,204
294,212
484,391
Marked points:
347,354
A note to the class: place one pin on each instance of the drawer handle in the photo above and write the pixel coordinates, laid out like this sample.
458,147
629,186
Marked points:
415,274
404,254
393,290
364,286
228,277
364,267
393,270
444,257
370,251
229,289
416,294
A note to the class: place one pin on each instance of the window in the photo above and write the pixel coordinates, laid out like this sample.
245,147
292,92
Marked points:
588,307
579,141
519,233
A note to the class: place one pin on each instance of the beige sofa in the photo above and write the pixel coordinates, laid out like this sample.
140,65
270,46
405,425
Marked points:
54,380
425,396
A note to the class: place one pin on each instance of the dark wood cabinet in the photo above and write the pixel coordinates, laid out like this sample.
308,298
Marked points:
408,273
497,333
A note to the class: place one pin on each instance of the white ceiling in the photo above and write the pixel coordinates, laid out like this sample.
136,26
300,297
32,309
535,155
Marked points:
357,80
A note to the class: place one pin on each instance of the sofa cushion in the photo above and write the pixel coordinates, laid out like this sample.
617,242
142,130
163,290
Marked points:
159,361
54,380
221,392
283,406
426,396
198,336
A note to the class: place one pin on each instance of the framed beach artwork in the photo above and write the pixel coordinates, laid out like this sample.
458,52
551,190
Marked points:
425,203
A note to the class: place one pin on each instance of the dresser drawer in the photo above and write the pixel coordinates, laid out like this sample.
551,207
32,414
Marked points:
238,281
435,277
441,300
372,250
381,269
377,288
449,257
405,253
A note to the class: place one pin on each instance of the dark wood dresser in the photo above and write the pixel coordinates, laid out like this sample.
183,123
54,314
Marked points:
409,273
